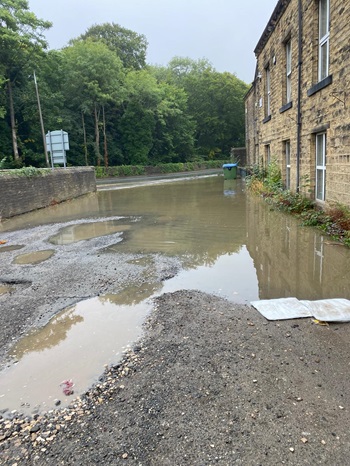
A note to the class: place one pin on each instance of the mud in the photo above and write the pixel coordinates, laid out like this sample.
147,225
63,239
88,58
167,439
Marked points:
210,382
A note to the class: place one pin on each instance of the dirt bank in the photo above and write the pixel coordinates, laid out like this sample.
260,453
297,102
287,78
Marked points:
211,382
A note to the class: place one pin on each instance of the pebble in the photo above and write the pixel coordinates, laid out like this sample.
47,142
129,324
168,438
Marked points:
49,424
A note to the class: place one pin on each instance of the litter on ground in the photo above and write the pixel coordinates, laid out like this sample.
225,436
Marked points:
325,310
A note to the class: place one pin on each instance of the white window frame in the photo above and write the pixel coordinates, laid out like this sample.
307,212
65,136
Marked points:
288,71
321,154
323,39
268,91
287,154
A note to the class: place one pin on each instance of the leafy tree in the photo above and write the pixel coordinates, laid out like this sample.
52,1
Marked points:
21,40
138,121
2,108
94,78
174,132
215,102
129,46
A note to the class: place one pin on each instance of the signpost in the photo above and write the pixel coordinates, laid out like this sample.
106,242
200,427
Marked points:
57,143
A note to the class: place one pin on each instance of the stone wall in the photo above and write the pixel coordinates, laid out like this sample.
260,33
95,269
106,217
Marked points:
324,105
21,194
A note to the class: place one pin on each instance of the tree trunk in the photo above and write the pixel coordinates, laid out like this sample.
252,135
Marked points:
85,141
97,136
13,122
105,138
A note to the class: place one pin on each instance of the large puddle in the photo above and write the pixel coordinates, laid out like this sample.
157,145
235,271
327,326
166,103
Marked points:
75,345
230,244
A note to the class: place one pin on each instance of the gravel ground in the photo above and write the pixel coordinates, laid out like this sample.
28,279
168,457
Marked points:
211,382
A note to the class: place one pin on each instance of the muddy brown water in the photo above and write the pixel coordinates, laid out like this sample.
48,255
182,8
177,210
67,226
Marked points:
229,243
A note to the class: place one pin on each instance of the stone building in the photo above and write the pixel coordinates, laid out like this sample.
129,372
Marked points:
298,107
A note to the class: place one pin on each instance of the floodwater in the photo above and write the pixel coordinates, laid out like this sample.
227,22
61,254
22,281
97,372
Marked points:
34,257
229,244
45,359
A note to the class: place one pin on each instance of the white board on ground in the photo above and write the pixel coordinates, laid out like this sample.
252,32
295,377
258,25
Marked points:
329,310
282,308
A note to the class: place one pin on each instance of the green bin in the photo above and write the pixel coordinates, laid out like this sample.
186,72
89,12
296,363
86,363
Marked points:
230,171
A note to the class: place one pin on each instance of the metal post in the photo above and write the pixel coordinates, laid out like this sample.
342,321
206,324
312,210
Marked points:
51,151
63,149
41,122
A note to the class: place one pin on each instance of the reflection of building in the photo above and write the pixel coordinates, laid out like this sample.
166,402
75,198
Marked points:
297,110
294,261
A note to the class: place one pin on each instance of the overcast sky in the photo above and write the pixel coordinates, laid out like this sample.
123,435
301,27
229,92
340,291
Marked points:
223,31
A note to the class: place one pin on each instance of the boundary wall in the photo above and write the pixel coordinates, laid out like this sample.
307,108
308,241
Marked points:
21,194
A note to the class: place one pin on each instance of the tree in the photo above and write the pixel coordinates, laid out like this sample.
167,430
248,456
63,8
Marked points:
129,46
215,102
94,78
21,39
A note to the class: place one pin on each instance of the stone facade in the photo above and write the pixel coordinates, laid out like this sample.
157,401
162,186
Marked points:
23,194
299,103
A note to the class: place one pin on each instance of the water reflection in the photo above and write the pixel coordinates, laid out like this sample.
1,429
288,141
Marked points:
76,345
291,260
190,220
84,231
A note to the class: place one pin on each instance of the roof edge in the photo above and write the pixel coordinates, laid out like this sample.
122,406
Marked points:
280,8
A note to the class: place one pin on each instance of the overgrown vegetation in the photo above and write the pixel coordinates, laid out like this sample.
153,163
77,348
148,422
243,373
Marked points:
135,170
334,219
26,172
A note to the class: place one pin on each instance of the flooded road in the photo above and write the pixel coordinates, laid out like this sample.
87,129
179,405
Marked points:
223,242
204,222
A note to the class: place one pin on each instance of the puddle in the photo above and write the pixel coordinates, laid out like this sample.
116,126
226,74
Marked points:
84,231
231,276
70,347
13,247
34,257
5,289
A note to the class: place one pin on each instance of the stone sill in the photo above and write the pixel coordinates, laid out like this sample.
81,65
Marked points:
268,118
321,85
286,107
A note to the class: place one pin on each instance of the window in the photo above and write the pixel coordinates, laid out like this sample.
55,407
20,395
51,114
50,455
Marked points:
287,154
267,154
321,166
288,71
267,92
323,39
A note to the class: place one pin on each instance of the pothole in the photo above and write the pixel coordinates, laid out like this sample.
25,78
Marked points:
34,257
85,231
12,247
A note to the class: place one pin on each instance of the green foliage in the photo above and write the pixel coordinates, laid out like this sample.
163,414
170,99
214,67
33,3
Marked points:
273,178
135,170
21,43
334,220
28,172
291,202
112,105
215,103
129,46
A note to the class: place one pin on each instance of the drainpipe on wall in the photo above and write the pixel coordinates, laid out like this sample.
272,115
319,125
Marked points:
300,62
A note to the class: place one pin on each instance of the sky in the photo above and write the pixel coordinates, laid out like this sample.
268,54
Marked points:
223,31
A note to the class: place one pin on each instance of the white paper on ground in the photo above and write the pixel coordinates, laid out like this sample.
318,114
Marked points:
329,310
282,308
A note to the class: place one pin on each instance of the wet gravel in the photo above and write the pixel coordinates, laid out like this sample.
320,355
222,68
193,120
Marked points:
211,382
